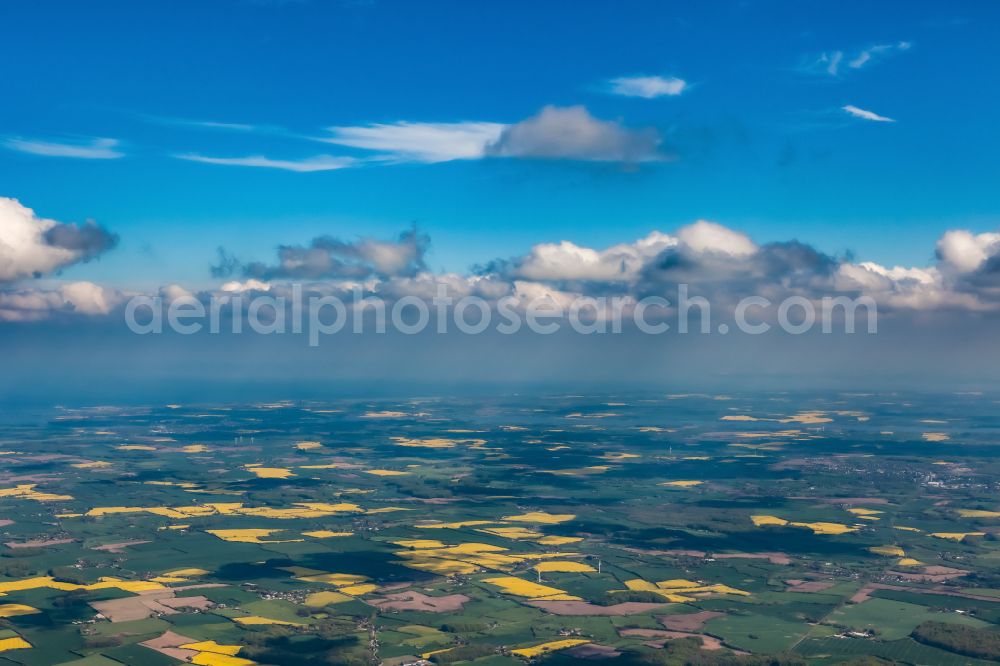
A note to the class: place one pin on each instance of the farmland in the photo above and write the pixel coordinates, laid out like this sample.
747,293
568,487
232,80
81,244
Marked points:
640,529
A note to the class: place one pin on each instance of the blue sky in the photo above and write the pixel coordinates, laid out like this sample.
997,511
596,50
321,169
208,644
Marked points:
758,138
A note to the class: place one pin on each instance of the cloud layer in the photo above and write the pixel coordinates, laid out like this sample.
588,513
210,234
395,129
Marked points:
715,261
29,304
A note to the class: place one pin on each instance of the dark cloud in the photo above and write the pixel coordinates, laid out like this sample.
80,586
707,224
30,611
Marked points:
572,133
227,266
87,241
328,257
774,269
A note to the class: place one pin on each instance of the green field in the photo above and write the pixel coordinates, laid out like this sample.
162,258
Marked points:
415,527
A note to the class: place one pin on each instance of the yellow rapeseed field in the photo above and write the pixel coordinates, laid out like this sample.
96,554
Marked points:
16,643
320,599
552,646
212,646
760,521
453,526
523,588
248,535
978,513
676,590
558,540
541,517
895,551
857,511
955,536
566,566
335,579
817,528
271,472
27,491
216,659
419,543
135,586
13,610
358,590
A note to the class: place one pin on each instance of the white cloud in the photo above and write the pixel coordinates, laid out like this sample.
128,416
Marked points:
622,263
647,87
89,298
96,149
306,165
705,236
31,304
963,252
420,142
905,288
31,246
568,261
572,133
237,287
865,114
175,292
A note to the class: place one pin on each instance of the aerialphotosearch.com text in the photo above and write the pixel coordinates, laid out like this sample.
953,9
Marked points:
323,315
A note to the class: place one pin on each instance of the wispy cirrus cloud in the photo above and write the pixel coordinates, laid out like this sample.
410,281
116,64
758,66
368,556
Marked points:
647,87
218,126
202,124
873,53
419,142
864,114
95,149
306,165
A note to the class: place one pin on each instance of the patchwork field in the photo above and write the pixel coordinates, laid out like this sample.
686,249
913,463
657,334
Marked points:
622,529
